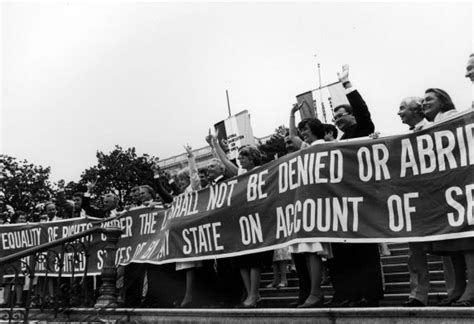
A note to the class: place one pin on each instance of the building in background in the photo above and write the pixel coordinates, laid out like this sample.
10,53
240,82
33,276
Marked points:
203,156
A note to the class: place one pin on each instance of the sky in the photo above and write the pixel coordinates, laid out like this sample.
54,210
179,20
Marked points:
80,77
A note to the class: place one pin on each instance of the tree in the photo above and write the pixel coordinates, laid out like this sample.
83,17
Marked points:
275,146
24,184
118,171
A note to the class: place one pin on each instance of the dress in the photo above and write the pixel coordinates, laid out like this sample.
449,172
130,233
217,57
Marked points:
282,254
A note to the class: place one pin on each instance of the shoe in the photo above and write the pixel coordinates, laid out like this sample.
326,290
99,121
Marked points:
316,304
447,302
189,304
337,303
364,303
463,303
282,285
272,285
253,305
413,302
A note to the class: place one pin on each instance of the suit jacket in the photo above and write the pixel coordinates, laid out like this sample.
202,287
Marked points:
364,126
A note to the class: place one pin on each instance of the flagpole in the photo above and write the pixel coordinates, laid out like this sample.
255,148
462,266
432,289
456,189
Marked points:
228,102
320,93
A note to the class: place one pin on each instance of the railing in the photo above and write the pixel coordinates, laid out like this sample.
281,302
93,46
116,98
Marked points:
22,266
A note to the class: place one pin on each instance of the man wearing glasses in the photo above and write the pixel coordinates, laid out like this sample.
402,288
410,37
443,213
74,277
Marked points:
355,268
354,119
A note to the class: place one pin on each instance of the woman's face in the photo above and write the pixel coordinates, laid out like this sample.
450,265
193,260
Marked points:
431,105
307,135
245,161
183,181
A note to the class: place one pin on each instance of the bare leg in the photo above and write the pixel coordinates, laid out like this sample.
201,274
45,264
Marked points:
253,293
275,281
282,265
188,294
245,274
314,264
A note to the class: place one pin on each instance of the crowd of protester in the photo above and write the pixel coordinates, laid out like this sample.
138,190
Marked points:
353,269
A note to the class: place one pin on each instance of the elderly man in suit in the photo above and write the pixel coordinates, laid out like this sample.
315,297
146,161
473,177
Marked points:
411,113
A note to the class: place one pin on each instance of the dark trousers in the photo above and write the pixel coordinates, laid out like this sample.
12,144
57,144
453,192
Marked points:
134,274
165,285
219,283
356,272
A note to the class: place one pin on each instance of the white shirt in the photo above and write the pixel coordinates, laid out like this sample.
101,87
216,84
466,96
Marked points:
444,115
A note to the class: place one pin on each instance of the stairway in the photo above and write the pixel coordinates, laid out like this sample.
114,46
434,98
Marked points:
395,273
274,303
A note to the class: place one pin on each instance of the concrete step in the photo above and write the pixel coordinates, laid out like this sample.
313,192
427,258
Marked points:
390,288
404,276
402,267
380,315
390,300
398,251
403,258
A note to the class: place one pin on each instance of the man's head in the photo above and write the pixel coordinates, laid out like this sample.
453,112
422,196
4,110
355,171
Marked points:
311,129
21,217
411,111
50,209
135,195
435,101
146,193
77,199
215,168
110,201
343,117
470,68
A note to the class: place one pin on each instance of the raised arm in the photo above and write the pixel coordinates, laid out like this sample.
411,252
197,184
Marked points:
86,202
293,131
193,170
359,107
160,190
209,141
230,167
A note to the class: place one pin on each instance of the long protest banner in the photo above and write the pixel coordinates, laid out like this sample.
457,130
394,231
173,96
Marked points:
404,188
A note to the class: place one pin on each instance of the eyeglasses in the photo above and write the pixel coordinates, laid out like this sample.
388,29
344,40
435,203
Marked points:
337,117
